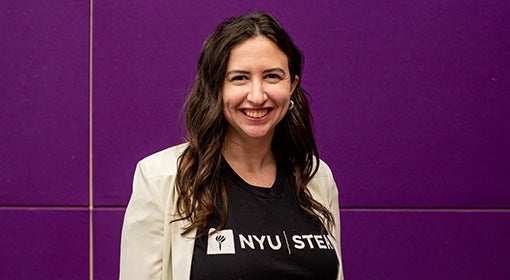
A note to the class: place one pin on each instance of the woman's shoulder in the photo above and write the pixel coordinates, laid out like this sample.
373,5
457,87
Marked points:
324,171
163,162
323,183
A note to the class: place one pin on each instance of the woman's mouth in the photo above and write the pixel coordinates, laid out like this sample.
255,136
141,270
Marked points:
256,114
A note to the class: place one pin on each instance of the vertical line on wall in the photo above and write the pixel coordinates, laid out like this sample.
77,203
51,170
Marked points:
91,197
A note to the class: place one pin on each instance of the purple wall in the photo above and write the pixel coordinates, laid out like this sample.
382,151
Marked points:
411,108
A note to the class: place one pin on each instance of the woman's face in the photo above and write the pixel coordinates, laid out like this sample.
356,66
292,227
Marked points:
256,90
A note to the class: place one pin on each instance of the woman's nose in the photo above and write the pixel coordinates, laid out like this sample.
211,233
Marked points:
257,94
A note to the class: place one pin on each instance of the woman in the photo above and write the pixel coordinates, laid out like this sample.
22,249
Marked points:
247,197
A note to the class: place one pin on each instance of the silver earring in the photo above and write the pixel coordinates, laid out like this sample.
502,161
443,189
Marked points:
291,105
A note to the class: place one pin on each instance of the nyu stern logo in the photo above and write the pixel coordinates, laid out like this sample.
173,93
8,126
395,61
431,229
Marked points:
221,242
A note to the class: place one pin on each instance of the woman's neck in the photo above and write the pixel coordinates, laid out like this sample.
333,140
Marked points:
253,161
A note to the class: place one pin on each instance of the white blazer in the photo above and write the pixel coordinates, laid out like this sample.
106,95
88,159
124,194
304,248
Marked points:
154,248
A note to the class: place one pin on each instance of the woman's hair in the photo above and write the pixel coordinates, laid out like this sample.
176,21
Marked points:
199,181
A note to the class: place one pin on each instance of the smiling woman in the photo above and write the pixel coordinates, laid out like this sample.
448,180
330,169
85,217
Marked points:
257,91
247,196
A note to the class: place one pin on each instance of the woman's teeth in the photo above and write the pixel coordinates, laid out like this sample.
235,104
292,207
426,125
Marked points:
255,113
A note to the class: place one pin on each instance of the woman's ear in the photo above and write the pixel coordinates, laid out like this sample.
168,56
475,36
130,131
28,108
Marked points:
294,84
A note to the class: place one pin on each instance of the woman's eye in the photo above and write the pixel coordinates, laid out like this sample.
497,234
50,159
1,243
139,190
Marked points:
238,78
273,76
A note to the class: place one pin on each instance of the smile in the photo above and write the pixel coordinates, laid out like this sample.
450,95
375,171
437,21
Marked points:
255,113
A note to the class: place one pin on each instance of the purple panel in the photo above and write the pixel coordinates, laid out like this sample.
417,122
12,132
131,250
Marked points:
107,230
402,245
44,103
409,97
44,244
144,65
411,100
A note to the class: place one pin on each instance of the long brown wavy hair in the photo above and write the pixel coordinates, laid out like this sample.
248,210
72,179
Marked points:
199,181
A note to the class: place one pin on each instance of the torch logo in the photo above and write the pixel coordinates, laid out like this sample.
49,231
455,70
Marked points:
220,239
220,242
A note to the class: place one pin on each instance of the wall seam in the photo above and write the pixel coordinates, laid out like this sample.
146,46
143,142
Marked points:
424,209
91,186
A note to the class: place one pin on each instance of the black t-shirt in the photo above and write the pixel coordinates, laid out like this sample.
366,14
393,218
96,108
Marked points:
267,236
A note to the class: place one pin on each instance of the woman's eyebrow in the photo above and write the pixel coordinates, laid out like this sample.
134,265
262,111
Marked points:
231,72
276,69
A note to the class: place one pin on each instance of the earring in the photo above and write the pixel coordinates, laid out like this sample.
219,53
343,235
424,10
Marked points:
291,105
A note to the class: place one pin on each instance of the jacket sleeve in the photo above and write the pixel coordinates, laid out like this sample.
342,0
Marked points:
141,253
333,202
335,209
